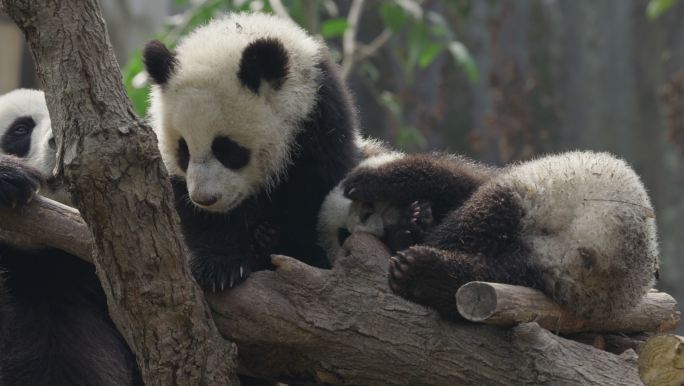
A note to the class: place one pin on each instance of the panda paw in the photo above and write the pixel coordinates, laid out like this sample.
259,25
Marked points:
420,213
19,182
422,275
265,238
410,230
364,185
215,275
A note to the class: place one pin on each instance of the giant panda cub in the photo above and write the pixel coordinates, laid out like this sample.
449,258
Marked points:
255,127
578,226
54,324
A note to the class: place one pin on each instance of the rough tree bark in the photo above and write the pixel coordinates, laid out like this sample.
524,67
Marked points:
341,326
113,171
344,326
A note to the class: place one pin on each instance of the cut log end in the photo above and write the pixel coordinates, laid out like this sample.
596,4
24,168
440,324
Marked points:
476,301
509,305
661,361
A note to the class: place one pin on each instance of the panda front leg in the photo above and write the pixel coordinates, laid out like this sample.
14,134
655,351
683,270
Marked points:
218,270
414,222
19,182
431,277
478,242
401,180
265,238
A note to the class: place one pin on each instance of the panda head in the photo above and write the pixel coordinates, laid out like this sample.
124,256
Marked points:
26,133
25,129
228,104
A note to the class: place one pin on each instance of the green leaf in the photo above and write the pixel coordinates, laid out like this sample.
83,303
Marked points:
393,16
656,8
463,58
333,28
428,55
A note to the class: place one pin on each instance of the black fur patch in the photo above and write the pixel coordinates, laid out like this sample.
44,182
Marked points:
231,154
54,324
488,223
159,61
443,181
183,154
266,59
18,181
17,138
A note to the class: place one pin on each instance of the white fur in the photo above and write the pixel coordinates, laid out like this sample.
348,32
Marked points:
204,98
381,159
338,212
586,201
332,216
25,102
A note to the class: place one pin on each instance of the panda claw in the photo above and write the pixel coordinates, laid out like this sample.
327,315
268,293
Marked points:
396,275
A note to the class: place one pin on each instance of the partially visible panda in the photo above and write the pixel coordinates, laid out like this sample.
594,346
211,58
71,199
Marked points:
54,324
399,223
255,127
578,226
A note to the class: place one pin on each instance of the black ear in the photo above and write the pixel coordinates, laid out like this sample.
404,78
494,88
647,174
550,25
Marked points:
159,61
266,59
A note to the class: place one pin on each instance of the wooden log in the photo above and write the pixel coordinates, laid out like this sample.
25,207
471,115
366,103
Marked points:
613,343
661,361
509,305
48,223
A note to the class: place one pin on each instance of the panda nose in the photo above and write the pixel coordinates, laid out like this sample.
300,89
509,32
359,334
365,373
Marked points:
52,143
204,200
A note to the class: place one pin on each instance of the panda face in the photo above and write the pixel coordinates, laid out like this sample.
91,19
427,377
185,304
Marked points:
229,103
25,129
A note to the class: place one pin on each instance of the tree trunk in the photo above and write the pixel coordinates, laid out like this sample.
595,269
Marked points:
112,168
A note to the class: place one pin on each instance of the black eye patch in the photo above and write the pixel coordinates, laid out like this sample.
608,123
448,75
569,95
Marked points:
230,153
17,138
183,154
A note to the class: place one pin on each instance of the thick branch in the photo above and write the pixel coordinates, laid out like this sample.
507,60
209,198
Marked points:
47,223
112,169
343,326
509,305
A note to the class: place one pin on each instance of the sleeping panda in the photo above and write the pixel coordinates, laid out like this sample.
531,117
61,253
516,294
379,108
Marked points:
54,324
255,127
398,223
578,226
